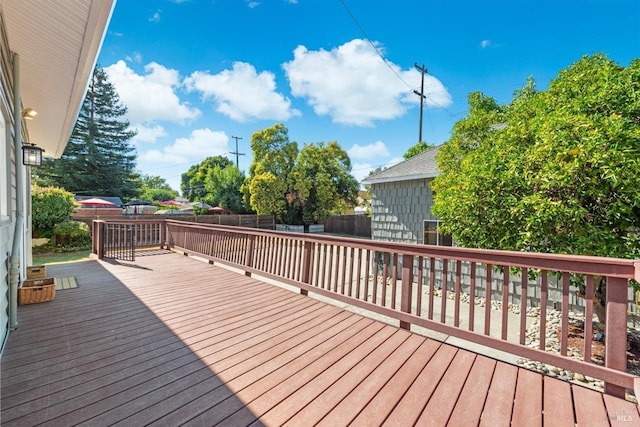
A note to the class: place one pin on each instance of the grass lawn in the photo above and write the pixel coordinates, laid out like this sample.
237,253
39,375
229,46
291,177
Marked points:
58,258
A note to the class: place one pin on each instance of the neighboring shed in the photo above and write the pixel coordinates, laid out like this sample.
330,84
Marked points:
401,200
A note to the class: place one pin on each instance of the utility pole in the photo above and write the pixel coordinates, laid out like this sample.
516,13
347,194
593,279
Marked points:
236,152
422,97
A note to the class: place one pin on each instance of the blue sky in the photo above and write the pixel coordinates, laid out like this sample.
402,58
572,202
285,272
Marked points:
196,73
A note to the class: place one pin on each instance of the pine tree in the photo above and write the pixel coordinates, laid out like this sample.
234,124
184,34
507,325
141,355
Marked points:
99,158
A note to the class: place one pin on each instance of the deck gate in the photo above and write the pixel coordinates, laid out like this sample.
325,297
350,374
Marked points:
119,241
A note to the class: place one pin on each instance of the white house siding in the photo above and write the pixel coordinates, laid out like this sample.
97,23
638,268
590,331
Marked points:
7,180
5,246
399,209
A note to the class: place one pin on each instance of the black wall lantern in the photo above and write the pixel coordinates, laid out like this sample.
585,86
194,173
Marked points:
31,155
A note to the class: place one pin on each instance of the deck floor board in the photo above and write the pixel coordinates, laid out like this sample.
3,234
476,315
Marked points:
169,340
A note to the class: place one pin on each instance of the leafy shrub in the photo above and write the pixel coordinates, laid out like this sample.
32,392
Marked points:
50,206
71,234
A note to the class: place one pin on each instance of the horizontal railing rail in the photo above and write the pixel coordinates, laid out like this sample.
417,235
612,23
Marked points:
460,292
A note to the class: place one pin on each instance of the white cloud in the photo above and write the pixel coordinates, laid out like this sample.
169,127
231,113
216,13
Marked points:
148,133
376,150
152,96
135,57
485,43
242,94
155,17
353,85
200,144
253,4
361,170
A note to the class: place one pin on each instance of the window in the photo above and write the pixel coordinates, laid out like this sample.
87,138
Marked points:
432,235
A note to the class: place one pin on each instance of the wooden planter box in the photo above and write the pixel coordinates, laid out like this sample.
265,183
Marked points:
37,290
36,272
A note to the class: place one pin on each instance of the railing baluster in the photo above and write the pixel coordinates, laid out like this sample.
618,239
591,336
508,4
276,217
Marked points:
432,286
456,309
419,286
544,284
366,274
472,297
376,275
443,290
321,265
351,262
505,301
523,304
386,259
358,271
487,300
343,276
565,314
335,250
588,317
394,280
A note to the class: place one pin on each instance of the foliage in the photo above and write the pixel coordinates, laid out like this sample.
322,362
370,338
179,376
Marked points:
99,158
300,186
155,188
562,176
223,188
72,234
50,206
414,150
192,183
322,183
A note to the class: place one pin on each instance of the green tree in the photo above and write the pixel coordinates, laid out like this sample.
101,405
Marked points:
273,159
156,188
322,182
192,183
50,206
553,171
301,187
414,150
223,188
99,158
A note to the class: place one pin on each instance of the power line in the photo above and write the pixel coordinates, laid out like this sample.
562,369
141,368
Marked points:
387,63
373,45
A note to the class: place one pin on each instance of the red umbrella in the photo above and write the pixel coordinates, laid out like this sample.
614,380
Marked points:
218,209
171,203
96,202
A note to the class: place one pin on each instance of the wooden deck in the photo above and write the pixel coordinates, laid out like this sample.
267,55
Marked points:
169,340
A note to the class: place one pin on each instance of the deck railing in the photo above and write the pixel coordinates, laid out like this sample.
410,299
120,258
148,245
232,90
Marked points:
460,292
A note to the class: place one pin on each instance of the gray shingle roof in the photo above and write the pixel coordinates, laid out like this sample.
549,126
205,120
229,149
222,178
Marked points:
423,165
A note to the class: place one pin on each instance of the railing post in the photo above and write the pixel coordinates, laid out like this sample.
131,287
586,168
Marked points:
163,235
100,239
306,265
249,254
407,285
616,331
94,237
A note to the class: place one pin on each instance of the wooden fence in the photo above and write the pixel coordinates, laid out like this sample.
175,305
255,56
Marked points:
348,225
